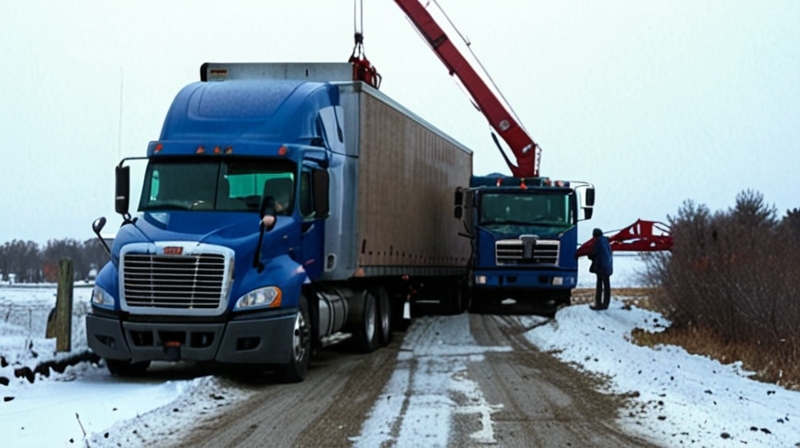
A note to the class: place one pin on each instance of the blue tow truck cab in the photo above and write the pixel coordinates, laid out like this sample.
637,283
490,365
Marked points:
524,237
284,207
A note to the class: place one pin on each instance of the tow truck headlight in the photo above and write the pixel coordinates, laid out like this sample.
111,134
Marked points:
102,298
480,279
260,298
558,281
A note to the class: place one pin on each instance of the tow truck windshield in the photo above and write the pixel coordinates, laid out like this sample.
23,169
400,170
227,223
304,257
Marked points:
527,208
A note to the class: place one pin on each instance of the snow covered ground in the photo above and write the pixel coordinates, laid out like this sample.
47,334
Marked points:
676,398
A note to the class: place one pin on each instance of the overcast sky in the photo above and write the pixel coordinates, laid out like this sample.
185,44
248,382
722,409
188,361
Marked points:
655,102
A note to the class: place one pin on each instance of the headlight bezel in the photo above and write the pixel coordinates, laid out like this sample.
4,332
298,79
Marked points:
102,298
265,297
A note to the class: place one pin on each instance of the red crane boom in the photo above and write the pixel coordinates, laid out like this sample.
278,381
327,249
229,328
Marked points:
525,150
643,236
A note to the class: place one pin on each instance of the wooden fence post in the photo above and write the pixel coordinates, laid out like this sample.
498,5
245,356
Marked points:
64,306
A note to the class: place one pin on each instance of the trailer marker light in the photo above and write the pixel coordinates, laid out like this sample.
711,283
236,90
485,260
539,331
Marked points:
158,148
200,150
217,150
229,150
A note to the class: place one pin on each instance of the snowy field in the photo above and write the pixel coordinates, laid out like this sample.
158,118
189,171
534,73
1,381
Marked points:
676,398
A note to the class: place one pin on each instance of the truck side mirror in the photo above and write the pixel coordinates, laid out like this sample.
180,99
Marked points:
458,212
587,213
589,198
321,193
267,207
122,192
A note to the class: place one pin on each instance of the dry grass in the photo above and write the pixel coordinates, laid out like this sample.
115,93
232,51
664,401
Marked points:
754,357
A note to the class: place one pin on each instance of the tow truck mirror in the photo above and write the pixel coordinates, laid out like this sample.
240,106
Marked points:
122,192
587,213
321,193
458,212
589,198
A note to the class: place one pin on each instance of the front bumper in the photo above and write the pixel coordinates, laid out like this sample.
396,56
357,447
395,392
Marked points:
521,280
265,339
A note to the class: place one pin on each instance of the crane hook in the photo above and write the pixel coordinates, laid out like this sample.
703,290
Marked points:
363,70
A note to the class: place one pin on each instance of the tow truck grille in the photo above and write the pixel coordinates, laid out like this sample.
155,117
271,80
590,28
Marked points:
512,252
174,281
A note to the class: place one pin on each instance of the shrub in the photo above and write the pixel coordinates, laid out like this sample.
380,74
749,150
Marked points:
735,273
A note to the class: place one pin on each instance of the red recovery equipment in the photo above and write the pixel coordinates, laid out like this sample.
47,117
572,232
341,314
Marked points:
638,237
525,150
363,70
641,236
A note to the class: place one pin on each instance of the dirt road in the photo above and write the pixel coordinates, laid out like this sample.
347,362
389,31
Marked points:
466,380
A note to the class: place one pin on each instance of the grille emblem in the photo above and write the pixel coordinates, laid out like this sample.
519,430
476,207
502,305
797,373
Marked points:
173,250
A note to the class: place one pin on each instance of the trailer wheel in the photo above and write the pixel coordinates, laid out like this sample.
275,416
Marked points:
295,371
124,367
368,331
384,316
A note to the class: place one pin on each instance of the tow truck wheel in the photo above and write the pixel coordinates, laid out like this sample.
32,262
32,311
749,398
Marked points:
124,367
297,368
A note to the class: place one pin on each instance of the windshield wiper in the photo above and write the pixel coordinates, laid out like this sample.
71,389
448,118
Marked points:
165,206
507,221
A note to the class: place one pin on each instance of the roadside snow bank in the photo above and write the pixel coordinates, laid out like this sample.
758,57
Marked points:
676,397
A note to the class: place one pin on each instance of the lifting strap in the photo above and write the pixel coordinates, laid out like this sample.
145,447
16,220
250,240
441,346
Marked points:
363,70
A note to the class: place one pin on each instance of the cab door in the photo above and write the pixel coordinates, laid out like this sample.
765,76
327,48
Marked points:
314,208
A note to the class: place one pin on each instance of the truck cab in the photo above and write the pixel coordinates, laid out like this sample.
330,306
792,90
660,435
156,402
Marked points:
524,238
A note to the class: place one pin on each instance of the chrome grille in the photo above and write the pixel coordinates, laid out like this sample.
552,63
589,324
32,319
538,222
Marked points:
193,281
512,252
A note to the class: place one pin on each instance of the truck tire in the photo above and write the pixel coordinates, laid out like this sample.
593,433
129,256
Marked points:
369,325
295,371
454,302
126,368
384,316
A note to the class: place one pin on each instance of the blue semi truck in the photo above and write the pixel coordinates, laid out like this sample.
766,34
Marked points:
284,207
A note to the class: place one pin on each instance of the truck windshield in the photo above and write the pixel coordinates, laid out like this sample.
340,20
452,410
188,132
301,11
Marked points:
544,209
220,184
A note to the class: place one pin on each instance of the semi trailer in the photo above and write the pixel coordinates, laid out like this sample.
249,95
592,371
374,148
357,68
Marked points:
284,207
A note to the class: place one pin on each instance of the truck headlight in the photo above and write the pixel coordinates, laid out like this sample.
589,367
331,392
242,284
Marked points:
267,297
558,281
102,298
480,279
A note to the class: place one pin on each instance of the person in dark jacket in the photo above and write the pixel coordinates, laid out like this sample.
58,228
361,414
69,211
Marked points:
603,267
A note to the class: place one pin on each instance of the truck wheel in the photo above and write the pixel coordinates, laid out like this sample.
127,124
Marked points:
295,371
368,331
124,367
384,316
454,301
